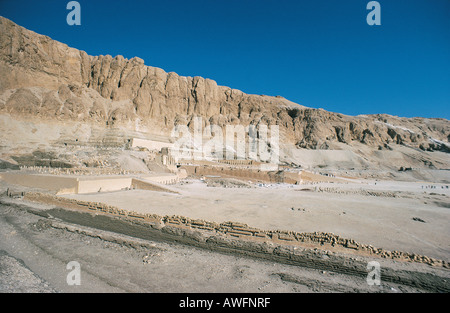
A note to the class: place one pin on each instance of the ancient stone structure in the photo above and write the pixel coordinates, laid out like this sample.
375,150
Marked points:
151,145
230,171
327,241
166,159
87,184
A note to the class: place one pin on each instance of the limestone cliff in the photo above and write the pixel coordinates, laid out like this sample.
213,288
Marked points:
47,79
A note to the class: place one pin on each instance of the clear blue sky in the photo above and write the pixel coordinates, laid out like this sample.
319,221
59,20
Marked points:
318,53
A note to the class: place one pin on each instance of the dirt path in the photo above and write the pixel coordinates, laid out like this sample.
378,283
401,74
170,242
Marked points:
45,240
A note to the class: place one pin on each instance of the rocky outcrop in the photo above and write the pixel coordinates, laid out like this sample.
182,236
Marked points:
47,79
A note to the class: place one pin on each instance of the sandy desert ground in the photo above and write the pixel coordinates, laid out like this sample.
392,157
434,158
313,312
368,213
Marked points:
34,256
384,220
40,239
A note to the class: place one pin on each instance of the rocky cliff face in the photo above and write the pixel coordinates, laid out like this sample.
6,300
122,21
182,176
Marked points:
47,79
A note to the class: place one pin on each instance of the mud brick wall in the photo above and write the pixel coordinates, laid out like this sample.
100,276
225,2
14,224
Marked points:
240,230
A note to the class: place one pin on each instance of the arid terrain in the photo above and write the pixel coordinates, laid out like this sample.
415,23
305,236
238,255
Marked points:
89,173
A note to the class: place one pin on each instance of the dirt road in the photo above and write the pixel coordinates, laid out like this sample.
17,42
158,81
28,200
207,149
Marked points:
36,248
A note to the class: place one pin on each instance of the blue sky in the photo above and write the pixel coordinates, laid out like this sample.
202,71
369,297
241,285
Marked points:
318,53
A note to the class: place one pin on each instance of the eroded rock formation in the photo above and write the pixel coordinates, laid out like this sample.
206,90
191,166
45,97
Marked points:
47,79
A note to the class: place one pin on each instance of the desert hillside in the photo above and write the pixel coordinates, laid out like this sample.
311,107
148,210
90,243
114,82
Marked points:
50,92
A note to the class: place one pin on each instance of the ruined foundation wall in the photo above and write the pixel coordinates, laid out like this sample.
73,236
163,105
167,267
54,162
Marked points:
258,175
163,179
245,174
242,231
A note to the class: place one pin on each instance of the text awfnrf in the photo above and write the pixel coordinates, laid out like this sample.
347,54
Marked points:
232,142
237,302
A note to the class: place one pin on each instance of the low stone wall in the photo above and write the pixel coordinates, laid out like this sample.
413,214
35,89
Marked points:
242,231
239,173
165,179
237,162
269,176
79,171
86,205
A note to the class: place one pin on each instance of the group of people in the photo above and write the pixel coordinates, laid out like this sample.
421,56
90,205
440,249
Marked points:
433,187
